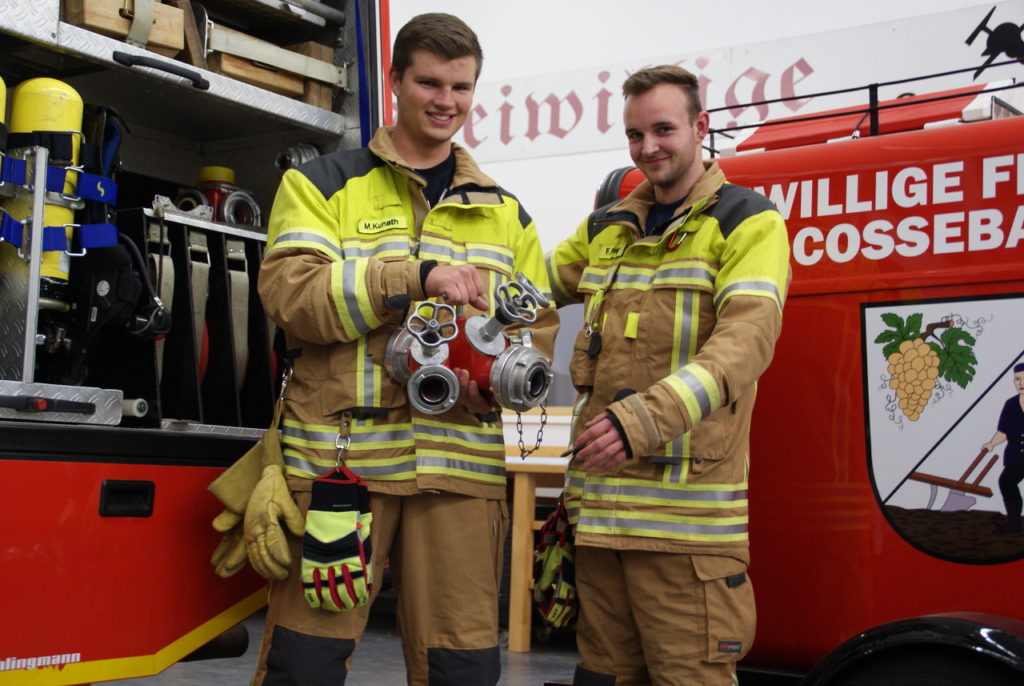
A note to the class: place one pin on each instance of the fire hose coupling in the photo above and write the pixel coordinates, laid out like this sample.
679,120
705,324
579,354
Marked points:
436,339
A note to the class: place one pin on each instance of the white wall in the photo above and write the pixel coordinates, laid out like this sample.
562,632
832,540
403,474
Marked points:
540,37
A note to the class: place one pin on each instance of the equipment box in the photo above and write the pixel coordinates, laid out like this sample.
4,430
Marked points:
163,33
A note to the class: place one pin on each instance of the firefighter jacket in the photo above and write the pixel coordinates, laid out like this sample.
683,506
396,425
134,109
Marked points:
688,319
347,235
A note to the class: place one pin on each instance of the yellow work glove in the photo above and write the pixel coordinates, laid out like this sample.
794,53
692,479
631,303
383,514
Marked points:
233,488
229,557
337,574
265,541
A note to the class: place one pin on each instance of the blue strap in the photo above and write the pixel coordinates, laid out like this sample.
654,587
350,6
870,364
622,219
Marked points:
97,235
55,178
89,186
13,170
55,237
97,188
10,229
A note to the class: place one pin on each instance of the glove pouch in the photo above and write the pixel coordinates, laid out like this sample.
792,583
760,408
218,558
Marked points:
336,555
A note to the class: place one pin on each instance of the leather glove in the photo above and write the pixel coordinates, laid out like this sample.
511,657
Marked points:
265,541
554,587
233,488
337,574
229,557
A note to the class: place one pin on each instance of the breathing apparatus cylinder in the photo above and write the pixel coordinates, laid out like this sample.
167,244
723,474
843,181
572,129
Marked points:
47,105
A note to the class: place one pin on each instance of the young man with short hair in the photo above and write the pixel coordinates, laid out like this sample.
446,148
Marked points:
355,239
683,283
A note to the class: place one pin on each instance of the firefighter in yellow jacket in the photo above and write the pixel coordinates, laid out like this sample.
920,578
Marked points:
683,283
354,239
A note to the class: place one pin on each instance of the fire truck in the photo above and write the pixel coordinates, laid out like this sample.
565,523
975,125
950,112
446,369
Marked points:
144,142
879,547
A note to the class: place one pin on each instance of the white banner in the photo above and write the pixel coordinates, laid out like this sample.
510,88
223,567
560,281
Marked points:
580,111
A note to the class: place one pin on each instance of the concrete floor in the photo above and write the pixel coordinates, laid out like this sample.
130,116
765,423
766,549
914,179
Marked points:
378,661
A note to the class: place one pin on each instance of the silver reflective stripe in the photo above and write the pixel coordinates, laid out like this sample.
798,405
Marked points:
588,521
484,253
309,436
699,392
369,383
368,472
373,435
309,238
469,437
685,273
460,465
766,286
389,246
592,488
593,279
445,253
642,279
350,290
306,465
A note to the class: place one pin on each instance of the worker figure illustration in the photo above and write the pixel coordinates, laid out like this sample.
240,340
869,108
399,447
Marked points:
1010,430
683,284
355,240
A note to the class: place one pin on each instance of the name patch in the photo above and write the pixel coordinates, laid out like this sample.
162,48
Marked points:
379,225
610,252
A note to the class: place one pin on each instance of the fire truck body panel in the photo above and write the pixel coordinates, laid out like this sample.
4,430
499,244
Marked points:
916,222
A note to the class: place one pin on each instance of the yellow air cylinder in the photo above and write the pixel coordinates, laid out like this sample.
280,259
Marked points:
45,104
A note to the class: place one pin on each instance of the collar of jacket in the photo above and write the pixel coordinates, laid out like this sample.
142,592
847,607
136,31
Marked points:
638,202
467,173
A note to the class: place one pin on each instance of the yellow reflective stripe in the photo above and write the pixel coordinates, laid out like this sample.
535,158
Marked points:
399,468
351,298
659,525
465,466
637,278
305,465
382,247
310,238
710,496
558,290
632,322
685,273
368,376
697,389
756,286
487,437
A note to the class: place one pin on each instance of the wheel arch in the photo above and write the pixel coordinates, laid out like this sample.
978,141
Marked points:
982,636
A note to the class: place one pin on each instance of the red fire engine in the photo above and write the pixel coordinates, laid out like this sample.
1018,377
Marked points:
135,361
878,543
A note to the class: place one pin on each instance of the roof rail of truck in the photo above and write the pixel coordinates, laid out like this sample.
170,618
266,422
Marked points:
905,113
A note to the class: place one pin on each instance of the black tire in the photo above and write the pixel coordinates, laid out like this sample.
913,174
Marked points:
916,666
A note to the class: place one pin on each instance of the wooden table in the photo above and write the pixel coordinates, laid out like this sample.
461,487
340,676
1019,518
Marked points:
527,475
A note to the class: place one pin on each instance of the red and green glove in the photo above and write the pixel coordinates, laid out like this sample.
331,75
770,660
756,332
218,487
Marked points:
554,571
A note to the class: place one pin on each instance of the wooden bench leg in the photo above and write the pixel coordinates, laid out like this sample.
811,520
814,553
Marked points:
524,494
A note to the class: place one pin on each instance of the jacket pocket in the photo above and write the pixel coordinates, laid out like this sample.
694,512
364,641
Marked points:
729,606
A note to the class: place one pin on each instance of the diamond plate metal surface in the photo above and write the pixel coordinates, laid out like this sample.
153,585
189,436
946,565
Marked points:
175,426
108,402
33,20
13,304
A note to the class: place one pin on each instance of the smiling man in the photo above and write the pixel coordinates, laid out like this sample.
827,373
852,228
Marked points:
355,239
683,283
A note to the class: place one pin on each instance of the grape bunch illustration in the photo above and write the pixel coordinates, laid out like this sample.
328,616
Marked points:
918,361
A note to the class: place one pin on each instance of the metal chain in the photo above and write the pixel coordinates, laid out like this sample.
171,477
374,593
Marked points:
523,452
